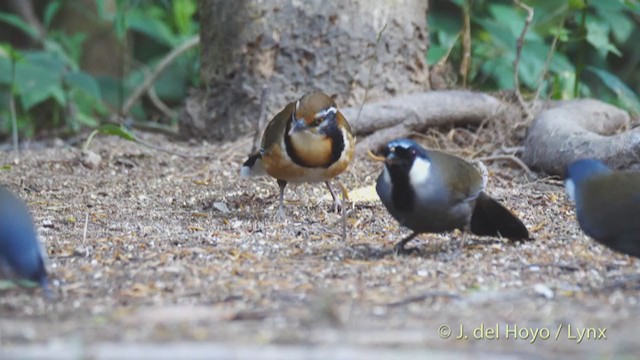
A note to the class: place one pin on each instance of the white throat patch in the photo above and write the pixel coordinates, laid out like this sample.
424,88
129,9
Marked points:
570,189
420,171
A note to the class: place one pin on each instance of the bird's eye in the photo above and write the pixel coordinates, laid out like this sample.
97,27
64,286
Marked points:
316,121
413,152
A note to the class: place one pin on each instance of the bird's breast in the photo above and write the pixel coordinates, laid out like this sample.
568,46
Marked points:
310,161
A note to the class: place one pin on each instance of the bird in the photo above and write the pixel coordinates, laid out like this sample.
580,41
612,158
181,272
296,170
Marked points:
308,141
21,254
430,191
607,203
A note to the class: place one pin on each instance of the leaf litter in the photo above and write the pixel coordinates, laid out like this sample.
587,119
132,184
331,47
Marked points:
178,249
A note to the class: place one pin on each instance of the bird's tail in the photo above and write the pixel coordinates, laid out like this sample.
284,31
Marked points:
253,166
490,218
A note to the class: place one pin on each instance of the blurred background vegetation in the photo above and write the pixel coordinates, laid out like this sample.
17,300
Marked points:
71,65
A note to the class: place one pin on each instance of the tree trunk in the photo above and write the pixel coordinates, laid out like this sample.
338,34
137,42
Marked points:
296,46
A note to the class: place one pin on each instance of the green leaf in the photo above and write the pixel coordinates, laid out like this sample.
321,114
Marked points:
627,96
182,13
50,12
84,81
598,37
87,120
34,84
621,26
445,23
153,28
7,51
18,23
436,53
577,4
45,60
509,19
117,130
6,77
120,20
58,94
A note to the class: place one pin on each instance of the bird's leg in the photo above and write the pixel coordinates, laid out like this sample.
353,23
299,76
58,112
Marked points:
337,203
459,249
282,184
401,250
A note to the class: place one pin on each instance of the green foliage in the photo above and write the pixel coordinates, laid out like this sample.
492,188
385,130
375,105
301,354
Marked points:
597,36
48,77
110,129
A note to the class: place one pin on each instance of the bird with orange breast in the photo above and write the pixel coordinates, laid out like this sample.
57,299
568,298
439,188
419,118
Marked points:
309,141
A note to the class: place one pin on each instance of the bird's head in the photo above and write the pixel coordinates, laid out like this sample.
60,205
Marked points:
404,157
314,113
581,170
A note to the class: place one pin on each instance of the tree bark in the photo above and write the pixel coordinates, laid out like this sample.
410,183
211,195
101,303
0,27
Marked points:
297,46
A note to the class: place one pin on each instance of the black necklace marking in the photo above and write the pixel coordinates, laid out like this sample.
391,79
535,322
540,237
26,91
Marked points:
331,130
402,193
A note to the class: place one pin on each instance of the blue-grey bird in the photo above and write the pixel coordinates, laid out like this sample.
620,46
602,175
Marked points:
607,204
20,251
429,191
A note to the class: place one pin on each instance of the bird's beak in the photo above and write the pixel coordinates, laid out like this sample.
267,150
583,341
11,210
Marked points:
391,158
298,125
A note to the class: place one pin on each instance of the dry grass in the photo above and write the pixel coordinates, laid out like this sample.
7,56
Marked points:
182,250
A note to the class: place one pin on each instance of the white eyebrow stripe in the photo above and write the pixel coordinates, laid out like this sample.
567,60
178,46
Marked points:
323,113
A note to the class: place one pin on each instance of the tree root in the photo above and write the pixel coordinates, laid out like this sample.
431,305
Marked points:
399,116
578,129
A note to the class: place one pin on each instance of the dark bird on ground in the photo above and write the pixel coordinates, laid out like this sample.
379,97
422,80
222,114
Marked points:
429,191
607,204
309,141
21,255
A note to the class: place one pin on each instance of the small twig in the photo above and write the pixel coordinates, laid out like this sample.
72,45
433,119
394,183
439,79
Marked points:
157,148
155,127
444,59
373,64
516,61
512,149
561,266
167,111
339,221
14,124
545,68
373,156
164,62
511,158
345,214
466,44
423,297
86,225
257,136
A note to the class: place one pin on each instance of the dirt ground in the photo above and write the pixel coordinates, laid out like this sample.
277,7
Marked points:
153,254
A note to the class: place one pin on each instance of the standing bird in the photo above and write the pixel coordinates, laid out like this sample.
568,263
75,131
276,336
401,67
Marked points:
607,204
430,191
20,250
309,141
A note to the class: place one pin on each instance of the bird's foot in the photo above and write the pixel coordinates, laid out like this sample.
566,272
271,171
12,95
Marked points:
400,249
281,213
337,205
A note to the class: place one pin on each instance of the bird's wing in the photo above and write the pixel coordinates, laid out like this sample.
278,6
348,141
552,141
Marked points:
274,132
615,203
463,179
